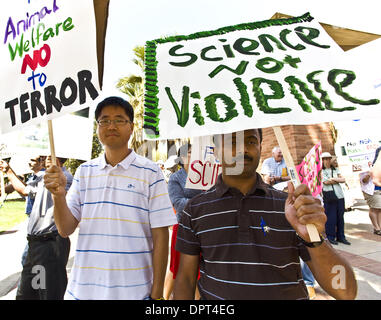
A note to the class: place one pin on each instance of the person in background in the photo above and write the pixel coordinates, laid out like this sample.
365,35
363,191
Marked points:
160,163
170,166
179,196
374,201
274,169
334,208
37,165
48,252
376,169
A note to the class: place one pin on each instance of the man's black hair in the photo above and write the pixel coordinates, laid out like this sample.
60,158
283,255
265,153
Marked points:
215,137
115,101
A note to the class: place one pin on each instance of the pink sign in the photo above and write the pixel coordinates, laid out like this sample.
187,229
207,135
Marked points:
309,170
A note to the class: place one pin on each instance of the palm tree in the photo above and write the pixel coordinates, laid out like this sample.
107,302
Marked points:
133,86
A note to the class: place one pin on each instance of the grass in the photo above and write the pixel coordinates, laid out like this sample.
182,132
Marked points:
11,214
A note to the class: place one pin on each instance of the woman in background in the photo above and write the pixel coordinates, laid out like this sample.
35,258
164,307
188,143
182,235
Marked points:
334,208
179,196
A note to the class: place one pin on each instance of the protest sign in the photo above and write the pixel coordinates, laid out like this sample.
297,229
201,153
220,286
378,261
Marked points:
49,62
260,74
69,143
204,168
360,153
310,170
367,187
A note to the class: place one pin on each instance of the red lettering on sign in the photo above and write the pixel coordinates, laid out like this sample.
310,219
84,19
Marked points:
37,59
195,170
203,174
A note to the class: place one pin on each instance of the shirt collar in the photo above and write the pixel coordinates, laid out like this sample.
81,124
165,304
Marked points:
125,163
260,185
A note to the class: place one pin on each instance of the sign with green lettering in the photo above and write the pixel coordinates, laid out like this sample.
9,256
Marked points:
260,74
48,60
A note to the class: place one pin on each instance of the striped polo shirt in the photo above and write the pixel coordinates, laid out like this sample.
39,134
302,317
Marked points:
116,207
248,248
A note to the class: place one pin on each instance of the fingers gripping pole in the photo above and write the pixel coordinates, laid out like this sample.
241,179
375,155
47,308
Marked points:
312,231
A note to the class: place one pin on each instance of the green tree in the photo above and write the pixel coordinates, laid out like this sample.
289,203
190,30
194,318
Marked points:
133,86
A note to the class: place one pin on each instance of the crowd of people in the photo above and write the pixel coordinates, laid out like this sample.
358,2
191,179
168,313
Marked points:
241,239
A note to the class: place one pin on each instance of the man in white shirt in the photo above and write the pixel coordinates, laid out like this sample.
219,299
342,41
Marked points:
274,168
121,202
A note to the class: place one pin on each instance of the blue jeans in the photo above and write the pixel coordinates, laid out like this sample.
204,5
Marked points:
334,226
308,277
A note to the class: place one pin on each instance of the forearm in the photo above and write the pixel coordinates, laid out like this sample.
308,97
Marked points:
17,184
184,287
186,279
65,221
160,237
332,272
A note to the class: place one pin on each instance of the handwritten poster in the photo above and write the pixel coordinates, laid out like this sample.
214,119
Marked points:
48,57
310,170
204,168
360,153
251,75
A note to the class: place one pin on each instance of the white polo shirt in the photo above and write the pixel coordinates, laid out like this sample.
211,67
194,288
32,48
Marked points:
117,207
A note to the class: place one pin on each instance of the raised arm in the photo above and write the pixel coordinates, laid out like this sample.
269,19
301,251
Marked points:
17,184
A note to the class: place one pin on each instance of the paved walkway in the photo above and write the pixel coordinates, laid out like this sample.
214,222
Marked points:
364,254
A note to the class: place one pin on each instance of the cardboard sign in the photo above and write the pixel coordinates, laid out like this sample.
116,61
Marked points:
251,75
204,168
49,62
34,140
310,170
361,153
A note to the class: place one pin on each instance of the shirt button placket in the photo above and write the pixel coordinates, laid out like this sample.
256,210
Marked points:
243,220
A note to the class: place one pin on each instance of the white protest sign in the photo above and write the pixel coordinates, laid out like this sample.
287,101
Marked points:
367,187
204,168
260,74
74,144
367,60
49,62
361,153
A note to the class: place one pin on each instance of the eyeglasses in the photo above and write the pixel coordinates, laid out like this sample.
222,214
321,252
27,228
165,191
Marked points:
116,122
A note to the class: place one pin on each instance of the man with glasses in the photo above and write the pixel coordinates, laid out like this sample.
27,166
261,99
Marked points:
121,201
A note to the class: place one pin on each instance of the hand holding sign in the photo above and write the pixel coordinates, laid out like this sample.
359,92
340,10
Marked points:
55,180
302,208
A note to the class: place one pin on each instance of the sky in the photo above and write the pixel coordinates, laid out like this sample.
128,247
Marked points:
131,23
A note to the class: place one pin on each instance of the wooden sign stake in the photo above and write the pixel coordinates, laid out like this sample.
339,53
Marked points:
53,156
51,141
312,231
